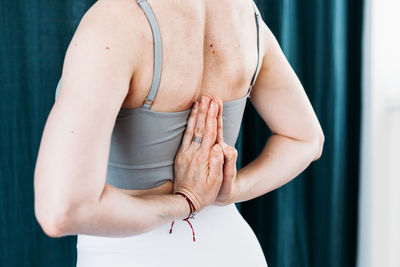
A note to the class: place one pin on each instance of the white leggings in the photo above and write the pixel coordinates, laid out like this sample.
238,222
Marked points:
223,238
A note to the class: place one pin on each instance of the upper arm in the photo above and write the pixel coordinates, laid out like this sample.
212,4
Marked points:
98,66
279,97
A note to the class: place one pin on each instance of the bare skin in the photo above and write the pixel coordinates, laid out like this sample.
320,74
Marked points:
109,63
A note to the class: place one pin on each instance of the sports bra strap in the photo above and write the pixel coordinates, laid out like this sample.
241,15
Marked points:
157,53
257,16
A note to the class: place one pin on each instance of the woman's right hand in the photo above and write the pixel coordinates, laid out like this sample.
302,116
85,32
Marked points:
198,168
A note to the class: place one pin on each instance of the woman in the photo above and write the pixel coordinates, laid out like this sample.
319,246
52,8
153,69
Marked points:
124,138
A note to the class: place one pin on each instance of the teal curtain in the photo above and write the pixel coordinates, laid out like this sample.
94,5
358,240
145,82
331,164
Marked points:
311,221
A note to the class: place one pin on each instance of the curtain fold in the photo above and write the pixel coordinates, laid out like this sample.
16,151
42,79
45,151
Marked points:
311,221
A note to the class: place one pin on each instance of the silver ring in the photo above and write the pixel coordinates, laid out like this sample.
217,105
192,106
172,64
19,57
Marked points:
197,139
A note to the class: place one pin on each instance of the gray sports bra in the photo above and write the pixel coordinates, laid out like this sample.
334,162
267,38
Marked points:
144,142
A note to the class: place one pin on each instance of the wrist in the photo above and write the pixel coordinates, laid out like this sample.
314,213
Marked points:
236,190
191,195
185,208
193,209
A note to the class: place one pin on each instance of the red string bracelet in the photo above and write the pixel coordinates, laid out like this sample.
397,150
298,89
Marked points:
191,214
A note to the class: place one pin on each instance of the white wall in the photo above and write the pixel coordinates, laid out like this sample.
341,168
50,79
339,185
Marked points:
379,214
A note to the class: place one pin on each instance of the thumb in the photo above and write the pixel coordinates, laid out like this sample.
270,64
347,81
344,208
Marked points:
230,152
230,156
216,162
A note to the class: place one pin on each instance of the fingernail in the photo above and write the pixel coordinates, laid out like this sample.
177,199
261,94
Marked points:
203,100
196,104
217,148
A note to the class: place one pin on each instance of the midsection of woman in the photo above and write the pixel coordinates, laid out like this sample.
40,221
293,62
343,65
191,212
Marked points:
208,48
198,58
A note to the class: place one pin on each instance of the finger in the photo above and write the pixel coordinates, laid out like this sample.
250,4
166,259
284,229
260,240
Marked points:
220,129
189,131
200,122
210,130
230,159
216,162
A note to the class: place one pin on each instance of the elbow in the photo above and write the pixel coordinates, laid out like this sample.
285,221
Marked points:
58,213
61,220
53,222
51,212
319,146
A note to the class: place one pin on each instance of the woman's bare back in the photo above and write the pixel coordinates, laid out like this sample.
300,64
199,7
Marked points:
209,48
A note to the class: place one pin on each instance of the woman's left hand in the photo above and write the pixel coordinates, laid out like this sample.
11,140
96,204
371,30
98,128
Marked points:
228,189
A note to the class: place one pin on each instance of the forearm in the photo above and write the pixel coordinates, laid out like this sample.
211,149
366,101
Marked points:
119,215
281,160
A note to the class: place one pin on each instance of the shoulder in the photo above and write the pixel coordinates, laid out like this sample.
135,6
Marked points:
117,17
268,40
104,45
115,9
112,24
266,36
122,9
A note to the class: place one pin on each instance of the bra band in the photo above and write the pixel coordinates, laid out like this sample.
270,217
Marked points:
158,52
